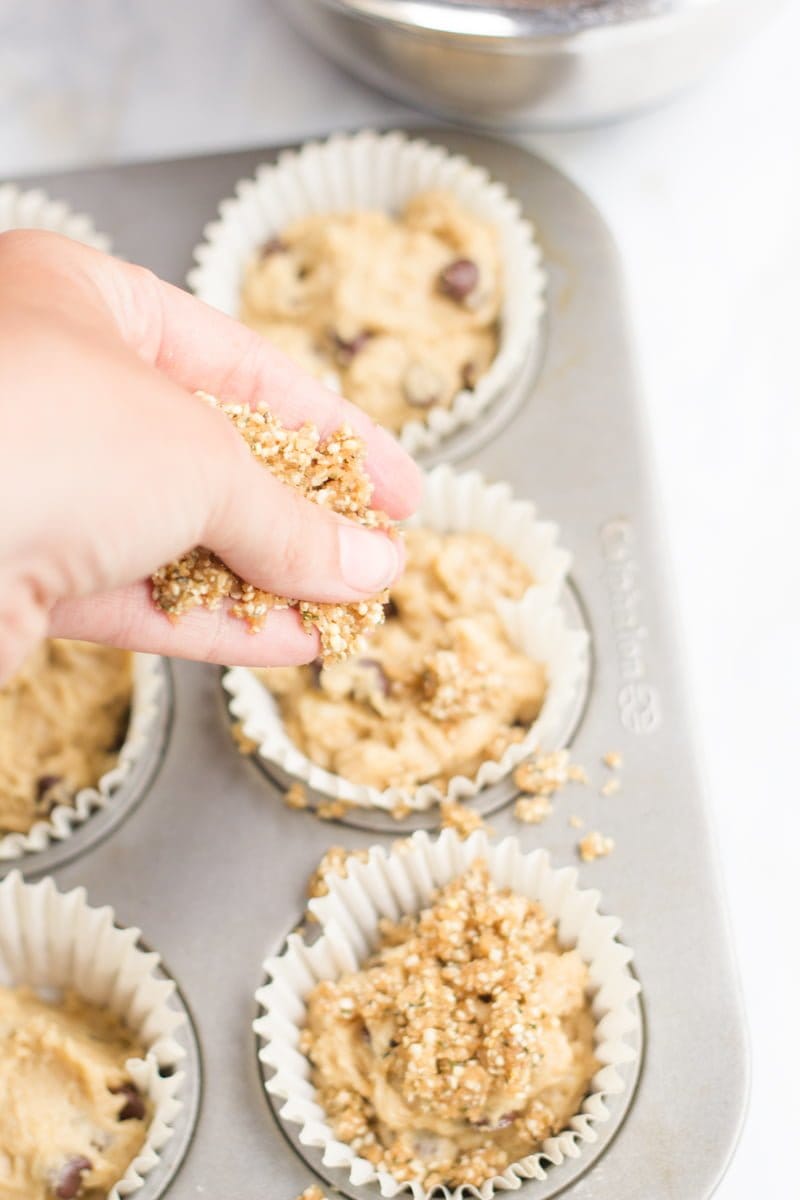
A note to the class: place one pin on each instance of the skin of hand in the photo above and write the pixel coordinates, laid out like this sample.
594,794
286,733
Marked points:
110,466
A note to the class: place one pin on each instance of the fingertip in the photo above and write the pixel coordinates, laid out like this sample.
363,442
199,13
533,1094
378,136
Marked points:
398,480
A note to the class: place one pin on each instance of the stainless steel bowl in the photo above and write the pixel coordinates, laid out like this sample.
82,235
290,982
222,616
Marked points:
544,63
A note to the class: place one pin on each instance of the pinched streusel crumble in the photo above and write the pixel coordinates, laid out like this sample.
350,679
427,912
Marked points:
463,1042
328,471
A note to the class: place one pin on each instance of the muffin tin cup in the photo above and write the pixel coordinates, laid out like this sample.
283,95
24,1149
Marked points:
34,209
147,701
390,885
370,170
537,624
55,942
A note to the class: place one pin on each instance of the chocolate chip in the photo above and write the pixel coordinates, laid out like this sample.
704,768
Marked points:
390,609
122,731
273,245
502,1122
345,349
133,1108
422,385
45,784
68,1182
469,376
315,670
458,278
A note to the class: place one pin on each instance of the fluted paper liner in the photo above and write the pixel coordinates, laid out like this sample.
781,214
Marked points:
455,502
34,209
400,882
54,941
147,698
383,171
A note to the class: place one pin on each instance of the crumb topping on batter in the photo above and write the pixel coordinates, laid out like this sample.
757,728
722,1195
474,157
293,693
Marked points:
71,1118
463,1042
63,719
399,314
328,471
441,690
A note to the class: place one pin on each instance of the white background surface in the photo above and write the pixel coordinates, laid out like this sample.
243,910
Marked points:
704,199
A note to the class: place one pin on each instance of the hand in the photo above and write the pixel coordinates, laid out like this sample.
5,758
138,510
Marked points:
109,466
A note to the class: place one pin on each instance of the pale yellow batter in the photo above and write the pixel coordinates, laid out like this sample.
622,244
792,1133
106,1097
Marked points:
440,689
463,1043
71,1120
399,314
63,718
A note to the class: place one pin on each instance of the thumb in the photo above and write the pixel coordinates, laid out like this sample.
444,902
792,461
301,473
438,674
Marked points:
277,539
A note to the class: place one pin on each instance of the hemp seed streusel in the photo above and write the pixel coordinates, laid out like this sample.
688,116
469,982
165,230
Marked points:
328,471
442,688
595,845
462,1043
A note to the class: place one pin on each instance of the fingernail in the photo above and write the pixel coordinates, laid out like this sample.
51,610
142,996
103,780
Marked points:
368,560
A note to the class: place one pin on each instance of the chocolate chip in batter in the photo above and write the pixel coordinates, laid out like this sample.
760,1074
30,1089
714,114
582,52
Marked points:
273,245
345,349
469,376
422,385
458,279
122,731
502,1122
45,784
68,1181
390,609
133,1108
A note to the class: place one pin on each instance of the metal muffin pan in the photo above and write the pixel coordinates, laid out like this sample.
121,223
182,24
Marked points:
213,866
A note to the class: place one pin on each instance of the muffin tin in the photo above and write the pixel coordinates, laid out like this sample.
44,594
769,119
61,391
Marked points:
213,866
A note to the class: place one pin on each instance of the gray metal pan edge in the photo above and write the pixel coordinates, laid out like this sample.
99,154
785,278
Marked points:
212,866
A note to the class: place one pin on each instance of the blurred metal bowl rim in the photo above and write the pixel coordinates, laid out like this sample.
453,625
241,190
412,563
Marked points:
507,20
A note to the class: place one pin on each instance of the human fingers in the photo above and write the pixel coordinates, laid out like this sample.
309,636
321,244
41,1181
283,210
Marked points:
126,617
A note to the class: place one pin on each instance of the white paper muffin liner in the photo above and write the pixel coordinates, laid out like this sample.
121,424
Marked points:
36,210
54,942
390,885
146,701
536,624
370,170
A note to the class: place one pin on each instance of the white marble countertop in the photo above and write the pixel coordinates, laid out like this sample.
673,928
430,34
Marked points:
703,197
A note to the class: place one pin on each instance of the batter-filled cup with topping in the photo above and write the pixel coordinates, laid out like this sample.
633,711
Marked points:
397,273
88,1055
460,1022
74,720
473,668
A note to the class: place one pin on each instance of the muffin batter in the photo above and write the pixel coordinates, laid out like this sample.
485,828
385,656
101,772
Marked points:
71,1120
63,718
441,690
463,1042
398,314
